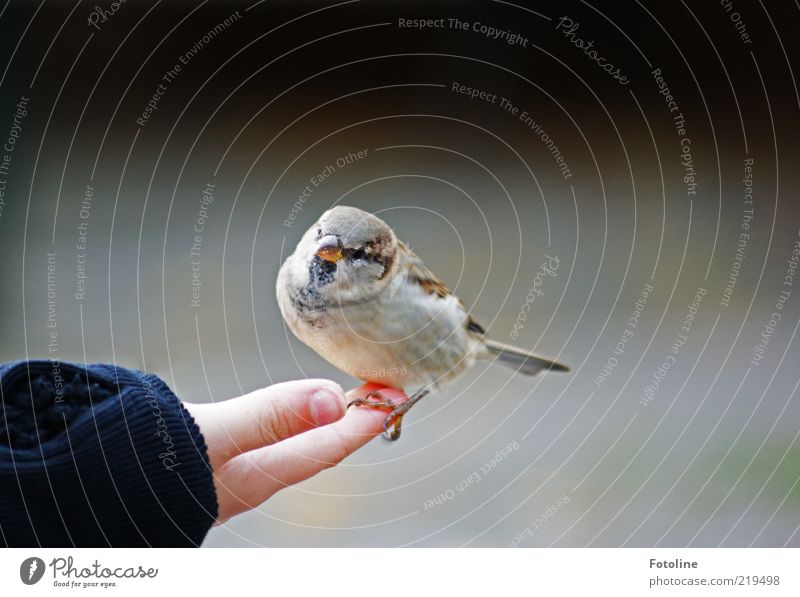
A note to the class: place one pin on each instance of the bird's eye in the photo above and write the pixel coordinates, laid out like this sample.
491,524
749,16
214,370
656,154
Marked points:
358,254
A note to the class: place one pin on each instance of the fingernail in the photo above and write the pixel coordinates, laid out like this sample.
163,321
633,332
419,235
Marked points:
326,406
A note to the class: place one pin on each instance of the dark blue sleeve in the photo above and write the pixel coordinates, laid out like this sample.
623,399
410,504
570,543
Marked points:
99,456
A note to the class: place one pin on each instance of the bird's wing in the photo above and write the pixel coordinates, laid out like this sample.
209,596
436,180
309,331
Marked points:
419,273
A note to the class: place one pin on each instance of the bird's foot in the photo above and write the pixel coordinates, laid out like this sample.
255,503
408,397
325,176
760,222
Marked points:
373,400
376,400
393,422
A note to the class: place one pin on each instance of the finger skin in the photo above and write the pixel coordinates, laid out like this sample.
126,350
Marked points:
253,477
266,416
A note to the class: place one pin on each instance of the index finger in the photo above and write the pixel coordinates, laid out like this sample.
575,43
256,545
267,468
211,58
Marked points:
265,471
305,455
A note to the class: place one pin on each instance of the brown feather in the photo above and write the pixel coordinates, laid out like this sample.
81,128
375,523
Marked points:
419,273
427,280
474,326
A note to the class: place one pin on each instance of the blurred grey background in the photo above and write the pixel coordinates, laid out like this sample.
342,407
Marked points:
598,457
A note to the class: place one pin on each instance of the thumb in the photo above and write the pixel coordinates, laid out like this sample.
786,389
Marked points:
267,416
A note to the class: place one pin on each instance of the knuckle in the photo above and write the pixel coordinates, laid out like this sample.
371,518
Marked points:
276,421
338,452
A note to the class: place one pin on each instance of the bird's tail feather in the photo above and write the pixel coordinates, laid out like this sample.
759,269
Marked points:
522,361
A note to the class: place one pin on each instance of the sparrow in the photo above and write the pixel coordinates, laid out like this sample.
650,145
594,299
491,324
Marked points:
365,302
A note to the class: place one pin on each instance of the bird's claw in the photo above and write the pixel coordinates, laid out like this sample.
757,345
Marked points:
381,402
391,426
392,423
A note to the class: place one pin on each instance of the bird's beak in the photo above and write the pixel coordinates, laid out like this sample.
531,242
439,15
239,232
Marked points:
329,248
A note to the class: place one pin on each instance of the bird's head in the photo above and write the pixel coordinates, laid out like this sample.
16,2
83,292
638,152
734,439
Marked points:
346,257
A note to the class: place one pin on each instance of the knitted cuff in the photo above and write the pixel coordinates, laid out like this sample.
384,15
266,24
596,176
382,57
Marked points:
99,456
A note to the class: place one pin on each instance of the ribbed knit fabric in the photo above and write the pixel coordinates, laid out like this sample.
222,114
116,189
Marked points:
99,456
